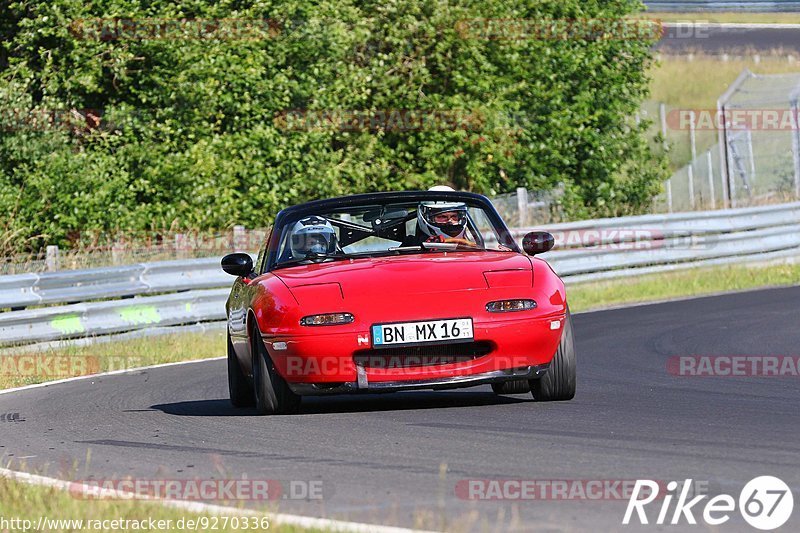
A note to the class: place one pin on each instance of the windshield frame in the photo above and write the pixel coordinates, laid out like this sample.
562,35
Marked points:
360,200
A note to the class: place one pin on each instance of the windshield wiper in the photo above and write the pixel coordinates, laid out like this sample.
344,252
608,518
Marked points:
313,257
439,247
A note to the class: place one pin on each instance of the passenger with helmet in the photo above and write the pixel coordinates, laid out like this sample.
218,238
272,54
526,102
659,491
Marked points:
312,235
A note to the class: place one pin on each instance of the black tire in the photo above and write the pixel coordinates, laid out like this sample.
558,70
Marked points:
558,383
273,395
239,387
512,387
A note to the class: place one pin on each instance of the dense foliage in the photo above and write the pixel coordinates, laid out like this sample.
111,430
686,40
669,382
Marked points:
110,118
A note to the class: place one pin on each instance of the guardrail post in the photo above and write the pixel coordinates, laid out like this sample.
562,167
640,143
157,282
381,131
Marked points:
728,192
117,252
662,112
796,147
729,149
522,206
711,179
52,260
723,154
752,157
180,244
239,238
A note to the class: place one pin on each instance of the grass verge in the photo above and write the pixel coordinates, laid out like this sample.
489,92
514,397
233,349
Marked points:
582,297
104,357
20,502
24,502
736,17
696,82
657,287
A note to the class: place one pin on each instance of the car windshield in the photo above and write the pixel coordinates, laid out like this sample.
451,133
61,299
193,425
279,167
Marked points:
388,229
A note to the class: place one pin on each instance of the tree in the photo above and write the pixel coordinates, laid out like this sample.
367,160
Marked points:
126,115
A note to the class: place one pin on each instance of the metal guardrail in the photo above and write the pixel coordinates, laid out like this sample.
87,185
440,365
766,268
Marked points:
25,290
103,318
597,249
585,251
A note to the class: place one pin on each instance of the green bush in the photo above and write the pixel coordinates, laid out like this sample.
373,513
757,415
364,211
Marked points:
193,131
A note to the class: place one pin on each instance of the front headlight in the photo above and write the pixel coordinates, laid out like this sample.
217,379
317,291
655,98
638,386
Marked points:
329,319
509,306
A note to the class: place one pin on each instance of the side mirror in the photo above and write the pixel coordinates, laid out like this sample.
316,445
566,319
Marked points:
239,265
537,242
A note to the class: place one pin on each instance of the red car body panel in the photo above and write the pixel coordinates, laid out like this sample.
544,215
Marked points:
406,289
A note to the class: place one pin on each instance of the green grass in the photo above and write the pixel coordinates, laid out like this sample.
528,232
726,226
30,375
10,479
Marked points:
131,353
698,82
597,295
27,502
774,18
583,296
682,82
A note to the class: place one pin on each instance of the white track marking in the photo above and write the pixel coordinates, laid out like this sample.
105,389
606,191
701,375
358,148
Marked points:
194,507
199,507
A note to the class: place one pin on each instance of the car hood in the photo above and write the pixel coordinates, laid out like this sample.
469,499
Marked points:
401,276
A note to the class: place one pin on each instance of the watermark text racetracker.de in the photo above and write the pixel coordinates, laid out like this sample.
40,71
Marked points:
739,119
585,29
299,365
734,366
54,366
150,29
241,489
240,29
630,239
556,489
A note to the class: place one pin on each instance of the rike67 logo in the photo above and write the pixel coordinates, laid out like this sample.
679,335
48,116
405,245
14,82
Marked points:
766,503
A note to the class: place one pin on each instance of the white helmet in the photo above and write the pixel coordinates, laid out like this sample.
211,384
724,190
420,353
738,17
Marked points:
456,227
312,234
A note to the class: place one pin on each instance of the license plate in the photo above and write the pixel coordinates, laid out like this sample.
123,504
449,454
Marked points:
422,332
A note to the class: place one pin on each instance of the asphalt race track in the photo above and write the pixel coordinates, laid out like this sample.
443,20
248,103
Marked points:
688,37
397,459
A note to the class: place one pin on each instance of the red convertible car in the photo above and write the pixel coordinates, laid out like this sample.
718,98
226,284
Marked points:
395,291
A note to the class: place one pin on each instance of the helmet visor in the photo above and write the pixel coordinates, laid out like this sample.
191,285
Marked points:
450,220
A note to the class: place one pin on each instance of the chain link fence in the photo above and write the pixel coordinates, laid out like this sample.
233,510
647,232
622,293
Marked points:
102,250
523,207
755,159
760,132
698,185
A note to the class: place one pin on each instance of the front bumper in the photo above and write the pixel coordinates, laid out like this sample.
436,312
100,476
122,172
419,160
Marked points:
332,357
363,385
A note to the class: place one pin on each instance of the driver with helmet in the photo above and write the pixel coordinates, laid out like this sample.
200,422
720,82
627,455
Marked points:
443,222
312,235
440,222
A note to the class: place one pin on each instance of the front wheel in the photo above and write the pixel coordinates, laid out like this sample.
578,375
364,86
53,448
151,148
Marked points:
273,395
239,387
558,383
